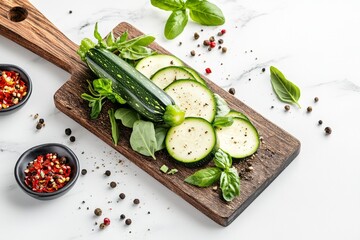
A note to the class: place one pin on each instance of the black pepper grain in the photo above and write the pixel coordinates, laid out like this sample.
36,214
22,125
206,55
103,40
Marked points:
113,184
212,39
224,49
316,99
196,36
102,226
122,195
287,107
72,139
128,221
320,122
192,53
39,126
41,121
83,171
221,41
263,69
107,172
206,42
68,131
232,91
70,12
328,130
122,216
97,211
309,109
136,201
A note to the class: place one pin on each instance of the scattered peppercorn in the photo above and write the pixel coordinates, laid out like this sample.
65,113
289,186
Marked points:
206,42
136,201
263,69
196,36
39,126
212,39
224,49
83,171
192,53
212,44
102,226
316,99
36,116
232,91
207,70
70,12
122,216
107,172
328,130
68,131
180,43
128,221
223,31
221,41
309,109
320,122
106,221
41,121
113,184
72,139
97,211
122,195
287,107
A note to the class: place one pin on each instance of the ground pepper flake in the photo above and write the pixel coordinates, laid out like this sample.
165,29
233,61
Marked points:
12,89
47,173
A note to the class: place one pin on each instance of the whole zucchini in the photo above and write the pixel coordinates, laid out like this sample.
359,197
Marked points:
139,92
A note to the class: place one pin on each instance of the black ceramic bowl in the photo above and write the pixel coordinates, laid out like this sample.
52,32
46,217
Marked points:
43,149
25,78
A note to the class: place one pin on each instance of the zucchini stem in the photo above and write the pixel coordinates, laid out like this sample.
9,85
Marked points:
173,115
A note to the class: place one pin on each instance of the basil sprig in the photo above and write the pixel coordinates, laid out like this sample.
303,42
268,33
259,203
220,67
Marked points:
114,127
200,11
284,89
223,171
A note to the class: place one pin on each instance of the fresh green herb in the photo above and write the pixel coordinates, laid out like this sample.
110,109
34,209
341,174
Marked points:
143,139
204,177
114,127
228,176
160,134
95,103
172,171
175,24
164,168
222,108
104,87
223,121
201,11
127,116
284,89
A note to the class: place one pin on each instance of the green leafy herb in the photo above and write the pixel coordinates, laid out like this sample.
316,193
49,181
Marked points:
206,13
204,177
223,121
143,139
175,24
172,171
104,87
164,168
95,103
201,11
114,127
223,171
127,116
168,5
284,89
160,134
222,108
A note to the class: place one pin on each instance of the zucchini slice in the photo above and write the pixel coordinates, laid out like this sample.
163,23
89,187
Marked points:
165,76
191,143
151,64
240,140
195,75
193,98
234,113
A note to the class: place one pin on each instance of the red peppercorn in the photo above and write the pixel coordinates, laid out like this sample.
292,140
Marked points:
223,31
106,221
212,44
208,70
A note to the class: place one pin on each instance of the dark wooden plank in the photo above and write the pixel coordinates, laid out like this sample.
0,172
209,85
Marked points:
275,153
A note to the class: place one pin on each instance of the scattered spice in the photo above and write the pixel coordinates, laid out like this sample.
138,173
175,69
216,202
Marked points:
128,221
208,70
316,99
320,122
136,201
263,69
106,221
221,41
232,91
328,130
309,109
180,43
206,42
224,49
84,171
47,174
212,44
70,11
68,131
107,172
39,126
212,39
113,184
12,89
122,195
192,53
72,139
122,216
102,226
223,31
98,211
196,36
287,107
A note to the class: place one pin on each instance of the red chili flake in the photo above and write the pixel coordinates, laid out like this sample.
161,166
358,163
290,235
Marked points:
212,44
223,31
207,70
12,89
47,173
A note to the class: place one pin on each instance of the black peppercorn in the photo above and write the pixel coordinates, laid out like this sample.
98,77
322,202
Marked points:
206,42
136,201
122,216
39,126
224,49
309,109
232,91
68,131
102,226
97,211
196,36
83,171
192,53
72,139
287,107
113,184
328,130
320,122
122,195
41,120
316,99
263,69
107,173
128,221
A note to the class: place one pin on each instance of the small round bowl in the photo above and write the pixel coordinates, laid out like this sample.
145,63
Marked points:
43,149
26,79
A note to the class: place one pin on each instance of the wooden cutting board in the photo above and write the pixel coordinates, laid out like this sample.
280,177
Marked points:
22,23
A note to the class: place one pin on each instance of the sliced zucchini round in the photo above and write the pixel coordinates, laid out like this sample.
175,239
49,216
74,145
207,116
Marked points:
234,113
193,98
240,140
165,76
191,143
195,75
151,64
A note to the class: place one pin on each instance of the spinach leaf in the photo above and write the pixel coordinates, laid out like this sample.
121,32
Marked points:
127,116
206,13
175,24
284,89
160,134
168,5
204,177
230,184
222,107
223,121
114,127
142,138
222,159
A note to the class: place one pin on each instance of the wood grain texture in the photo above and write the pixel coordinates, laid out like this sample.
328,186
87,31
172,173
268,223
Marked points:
275,153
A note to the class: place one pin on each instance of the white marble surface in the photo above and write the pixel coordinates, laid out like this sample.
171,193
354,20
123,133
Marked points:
314,43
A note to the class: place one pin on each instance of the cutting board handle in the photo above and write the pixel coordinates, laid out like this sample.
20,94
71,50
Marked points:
22,23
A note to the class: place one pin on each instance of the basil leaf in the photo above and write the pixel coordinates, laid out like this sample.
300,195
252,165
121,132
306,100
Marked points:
175,24
104,87
143,40
114,127
204,177
222,159
230,184
95,103
98,36
127,116
206,13
192,3
136,52
123,37
160,134
168,5
284,89
223,121
142,138
110,39
222,108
